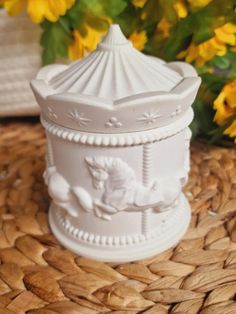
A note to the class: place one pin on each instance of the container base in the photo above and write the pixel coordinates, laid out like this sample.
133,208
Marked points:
151,245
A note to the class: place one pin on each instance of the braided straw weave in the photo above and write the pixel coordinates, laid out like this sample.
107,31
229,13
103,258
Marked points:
38,276
20,56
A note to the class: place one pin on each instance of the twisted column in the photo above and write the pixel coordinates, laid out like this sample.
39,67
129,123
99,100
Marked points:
147,162
49,157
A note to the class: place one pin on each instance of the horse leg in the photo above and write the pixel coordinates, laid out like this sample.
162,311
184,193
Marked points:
100,207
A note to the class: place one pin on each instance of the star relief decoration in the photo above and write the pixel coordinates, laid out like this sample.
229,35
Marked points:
149,117
78,118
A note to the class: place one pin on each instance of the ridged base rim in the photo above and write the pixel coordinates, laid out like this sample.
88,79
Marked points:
128,253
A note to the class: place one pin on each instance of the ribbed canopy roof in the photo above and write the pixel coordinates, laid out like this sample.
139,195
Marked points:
115,70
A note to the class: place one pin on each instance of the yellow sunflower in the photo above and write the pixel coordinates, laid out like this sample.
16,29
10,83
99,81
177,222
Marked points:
83,44
225,106
216,46
138,39
39,10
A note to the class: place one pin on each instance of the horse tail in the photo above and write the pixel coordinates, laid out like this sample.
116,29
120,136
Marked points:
83,198
58,188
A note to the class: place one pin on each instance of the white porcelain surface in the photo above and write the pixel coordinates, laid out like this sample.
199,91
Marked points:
118,150
115,61
116,89
167,234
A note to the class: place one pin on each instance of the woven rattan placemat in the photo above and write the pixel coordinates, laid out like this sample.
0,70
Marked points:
39,276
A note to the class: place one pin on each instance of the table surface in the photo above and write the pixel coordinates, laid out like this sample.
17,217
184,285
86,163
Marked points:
38,276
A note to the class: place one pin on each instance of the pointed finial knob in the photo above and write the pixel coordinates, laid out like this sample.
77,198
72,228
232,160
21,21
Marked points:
113,38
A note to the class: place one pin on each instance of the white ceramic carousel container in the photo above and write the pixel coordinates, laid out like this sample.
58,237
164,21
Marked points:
118,150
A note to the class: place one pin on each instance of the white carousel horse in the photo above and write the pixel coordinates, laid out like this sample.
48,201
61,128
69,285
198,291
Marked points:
120,190
64,196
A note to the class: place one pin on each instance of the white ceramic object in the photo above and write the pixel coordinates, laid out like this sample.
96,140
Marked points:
20,56
118,150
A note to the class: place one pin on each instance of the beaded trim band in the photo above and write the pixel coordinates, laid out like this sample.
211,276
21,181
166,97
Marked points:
122,139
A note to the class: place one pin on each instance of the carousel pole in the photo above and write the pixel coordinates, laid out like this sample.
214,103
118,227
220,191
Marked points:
49,155
147,163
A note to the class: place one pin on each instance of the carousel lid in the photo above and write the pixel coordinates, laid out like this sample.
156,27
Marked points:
114,71
120,84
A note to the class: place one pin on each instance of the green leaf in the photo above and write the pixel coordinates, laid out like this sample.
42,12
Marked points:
214,81
202,34
203,119
129,20
221,62
204,24
168,10
114,7
103,8
55,39
180,38
97,23
154,10
198,26
76,15
232,69
94,13
65,23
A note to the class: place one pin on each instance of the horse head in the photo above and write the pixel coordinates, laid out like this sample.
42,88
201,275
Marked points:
113,170
99,170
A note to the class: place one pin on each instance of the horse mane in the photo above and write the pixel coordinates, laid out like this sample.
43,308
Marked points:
110,165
